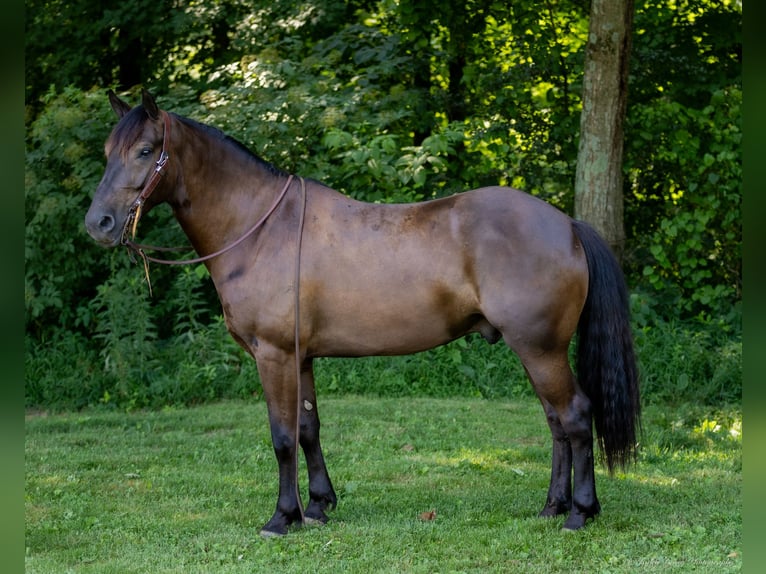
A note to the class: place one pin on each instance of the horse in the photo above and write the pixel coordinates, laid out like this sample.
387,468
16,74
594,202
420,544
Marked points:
303,271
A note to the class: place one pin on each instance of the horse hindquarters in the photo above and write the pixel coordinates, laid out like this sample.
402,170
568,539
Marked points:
605,392
538,315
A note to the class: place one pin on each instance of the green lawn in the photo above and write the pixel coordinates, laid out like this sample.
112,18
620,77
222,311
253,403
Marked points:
187,491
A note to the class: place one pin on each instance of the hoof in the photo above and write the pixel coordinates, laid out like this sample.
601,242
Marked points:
572,525
315,516
555,508
270,534
315,511
307,521
579,517
275,530
278,526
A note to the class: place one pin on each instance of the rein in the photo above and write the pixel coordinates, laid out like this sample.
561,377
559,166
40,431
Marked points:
139,247
296,308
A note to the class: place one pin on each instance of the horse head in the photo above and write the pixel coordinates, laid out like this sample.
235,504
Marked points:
136,155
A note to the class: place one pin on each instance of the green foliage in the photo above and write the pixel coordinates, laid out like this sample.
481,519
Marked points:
690,243
696,362
114,43
388,102
683,157
65,372
63,162
389,172
202,365
199,363
467,367
127,334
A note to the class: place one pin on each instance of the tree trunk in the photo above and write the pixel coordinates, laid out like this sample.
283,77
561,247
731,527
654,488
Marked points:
129,61
598,180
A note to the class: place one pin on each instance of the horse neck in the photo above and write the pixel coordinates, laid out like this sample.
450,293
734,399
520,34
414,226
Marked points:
222,190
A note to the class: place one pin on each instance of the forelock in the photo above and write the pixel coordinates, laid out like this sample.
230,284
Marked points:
127,131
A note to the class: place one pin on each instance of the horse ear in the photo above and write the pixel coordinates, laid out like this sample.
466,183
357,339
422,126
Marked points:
119,107
150,105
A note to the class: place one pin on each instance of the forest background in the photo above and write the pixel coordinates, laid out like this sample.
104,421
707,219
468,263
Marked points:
386,101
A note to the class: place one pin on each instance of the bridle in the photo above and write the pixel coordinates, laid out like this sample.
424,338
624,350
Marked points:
136,209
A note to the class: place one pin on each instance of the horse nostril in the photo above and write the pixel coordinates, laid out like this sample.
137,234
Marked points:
106,223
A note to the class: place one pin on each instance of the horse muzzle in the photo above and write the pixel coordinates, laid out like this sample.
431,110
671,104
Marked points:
103,227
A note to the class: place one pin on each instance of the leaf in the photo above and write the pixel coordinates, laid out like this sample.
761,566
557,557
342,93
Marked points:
430,515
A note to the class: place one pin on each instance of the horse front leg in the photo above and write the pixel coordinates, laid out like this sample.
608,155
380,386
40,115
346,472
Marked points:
321,493
278,378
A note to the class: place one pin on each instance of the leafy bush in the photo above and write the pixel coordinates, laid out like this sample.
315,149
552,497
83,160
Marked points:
65,372
403,104
466,367
63,162
686,204
697,361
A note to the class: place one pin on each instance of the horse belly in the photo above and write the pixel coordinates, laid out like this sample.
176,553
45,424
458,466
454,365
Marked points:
392,318
395,337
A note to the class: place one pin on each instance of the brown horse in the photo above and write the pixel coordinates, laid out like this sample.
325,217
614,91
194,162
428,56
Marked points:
303,271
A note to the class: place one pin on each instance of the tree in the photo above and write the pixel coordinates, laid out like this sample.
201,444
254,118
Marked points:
598,179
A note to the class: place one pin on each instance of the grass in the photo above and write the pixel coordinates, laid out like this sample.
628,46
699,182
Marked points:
187,490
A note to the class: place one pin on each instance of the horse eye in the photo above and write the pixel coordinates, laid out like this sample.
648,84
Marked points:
145,152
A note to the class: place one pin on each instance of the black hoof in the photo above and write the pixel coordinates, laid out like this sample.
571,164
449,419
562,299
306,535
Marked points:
270,533
315,512
272,529
555,508
315,516
279,524
580,516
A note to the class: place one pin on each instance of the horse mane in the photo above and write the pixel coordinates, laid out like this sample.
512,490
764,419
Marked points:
127,131
218,134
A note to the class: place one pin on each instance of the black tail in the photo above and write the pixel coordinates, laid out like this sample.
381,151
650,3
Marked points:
606,362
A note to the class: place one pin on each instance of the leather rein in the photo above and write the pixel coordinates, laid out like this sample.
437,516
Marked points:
135,212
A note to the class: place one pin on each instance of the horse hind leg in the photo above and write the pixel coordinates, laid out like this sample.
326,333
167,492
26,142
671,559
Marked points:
559,499
568,412
321,493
